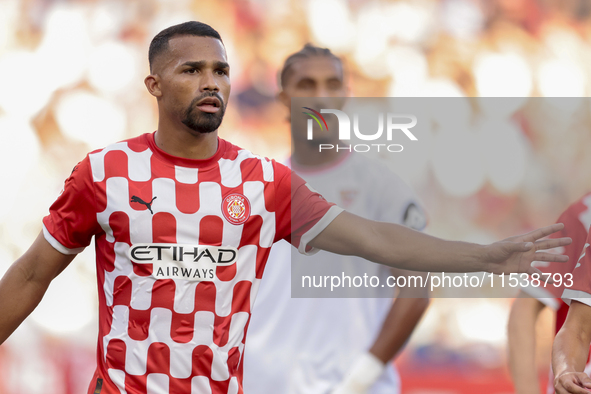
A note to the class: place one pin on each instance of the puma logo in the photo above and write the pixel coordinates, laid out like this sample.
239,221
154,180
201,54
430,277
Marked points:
147,204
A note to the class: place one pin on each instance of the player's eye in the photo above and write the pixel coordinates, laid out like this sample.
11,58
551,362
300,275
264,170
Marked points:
306,84
335,85
221,72
190,71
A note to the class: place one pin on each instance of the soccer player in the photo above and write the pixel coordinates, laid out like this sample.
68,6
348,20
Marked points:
341,345
183,222
570,351
526,309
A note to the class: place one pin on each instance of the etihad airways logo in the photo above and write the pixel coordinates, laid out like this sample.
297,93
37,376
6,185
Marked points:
189,262
394,123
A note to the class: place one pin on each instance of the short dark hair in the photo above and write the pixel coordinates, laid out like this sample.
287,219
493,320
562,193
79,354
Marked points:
192,28
307,51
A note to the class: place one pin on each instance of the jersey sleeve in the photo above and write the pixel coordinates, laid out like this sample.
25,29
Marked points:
302,213
399,203
573,228
72,219
580,286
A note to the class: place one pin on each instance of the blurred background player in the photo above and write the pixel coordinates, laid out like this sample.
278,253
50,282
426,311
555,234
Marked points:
570,351
526,309
336,345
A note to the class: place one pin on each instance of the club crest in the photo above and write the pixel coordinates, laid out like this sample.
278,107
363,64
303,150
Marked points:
236,208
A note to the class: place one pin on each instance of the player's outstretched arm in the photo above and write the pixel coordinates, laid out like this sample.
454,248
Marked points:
401,247
26,281
570,351
522,344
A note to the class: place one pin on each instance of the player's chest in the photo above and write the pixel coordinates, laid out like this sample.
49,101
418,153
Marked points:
166,210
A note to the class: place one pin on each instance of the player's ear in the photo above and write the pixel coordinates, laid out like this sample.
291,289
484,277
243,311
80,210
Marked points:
284,99
152,82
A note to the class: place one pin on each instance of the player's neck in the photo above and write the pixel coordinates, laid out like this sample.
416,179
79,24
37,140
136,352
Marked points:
304,154
183,143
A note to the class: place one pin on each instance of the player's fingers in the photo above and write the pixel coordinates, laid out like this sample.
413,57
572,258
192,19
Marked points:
514,247
510,247
534,270
574,388
552,243
571,382
545,256
560,389
545,278
565,390
585,380
541,232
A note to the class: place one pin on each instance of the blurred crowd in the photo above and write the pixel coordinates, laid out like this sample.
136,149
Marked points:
71,80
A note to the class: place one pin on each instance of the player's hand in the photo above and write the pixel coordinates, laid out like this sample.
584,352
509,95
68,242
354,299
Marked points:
572,383
361,376
342,389
515,254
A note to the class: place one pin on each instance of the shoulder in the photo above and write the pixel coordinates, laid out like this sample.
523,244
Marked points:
135,144
251,163
132,153
581,204
384,180
132,147
396,199
578,213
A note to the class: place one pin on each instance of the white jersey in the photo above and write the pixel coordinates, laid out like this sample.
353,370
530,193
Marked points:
306,345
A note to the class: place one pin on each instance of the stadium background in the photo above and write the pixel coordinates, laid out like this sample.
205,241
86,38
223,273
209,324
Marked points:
71,77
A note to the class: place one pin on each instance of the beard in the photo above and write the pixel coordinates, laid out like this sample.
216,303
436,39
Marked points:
203,122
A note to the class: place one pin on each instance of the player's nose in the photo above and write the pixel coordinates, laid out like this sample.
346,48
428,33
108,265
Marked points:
323,102
209,82
321,92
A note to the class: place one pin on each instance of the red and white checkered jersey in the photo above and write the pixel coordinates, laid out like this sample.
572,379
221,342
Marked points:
181,246
581,279
576,219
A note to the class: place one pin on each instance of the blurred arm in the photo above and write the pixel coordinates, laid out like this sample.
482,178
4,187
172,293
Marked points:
25,283
571,349
522,344
403,317
398,325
